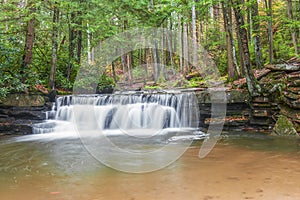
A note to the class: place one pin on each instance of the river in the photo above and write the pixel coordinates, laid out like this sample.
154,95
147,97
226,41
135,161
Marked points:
259,167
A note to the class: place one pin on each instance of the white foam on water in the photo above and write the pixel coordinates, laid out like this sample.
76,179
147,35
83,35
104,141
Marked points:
136,115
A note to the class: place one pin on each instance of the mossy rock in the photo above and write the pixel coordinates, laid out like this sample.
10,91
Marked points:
288,111
237,96
23,100
232,96
284,127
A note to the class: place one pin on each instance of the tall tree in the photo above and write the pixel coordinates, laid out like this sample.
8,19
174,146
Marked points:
156,60
79,32
194,33
185,46
268,5
256,34
231,51
30,30
72,43
253,87
180,42
293,31
54,45
89,49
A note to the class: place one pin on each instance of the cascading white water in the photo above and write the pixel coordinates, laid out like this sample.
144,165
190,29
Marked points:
129,112
130,132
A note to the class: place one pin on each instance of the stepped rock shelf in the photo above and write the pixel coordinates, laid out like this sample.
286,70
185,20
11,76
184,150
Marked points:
18,112
276,111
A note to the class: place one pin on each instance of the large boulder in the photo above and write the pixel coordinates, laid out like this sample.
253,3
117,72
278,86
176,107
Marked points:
284,127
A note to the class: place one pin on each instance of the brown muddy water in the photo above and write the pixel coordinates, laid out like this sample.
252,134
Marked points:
237,168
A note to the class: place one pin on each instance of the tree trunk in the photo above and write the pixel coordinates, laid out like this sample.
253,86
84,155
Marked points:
268,4
249,21
156,62
194,33
170,51
145,59
293,32
180,44
156,66
128,66
54,46
123,63
253,87
113,71
231,52
79,35
185,49
163,64
240,51
29,37
256,34
89,53
72,36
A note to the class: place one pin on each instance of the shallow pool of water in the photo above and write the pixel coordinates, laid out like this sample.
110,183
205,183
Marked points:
257,167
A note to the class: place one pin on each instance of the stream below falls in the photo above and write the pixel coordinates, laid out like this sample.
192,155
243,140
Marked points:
142,146
254,167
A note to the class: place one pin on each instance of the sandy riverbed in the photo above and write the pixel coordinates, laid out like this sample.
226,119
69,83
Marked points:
229,172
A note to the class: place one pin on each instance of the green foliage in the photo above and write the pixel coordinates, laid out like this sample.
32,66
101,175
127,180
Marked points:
9,66
152,87
216,47
138,73
105,82
108,18
196,82
62,82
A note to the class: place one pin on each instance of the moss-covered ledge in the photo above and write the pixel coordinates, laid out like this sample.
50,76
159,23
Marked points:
232,96
23,100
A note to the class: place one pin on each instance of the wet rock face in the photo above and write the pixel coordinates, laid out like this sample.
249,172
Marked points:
284,127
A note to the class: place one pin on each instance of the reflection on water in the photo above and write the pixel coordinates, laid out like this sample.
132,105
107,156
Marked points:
263,142
237,168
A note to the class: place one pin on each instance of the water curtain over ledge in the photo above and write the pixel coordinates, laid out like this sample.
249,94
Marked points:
123,111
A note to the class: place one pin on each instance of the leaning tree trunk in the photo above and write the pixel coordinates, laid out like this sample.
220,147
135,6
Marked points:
253,87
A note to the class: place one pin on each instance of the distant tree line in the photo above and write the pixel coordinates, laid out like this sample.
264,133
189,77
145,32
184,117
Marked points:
44,42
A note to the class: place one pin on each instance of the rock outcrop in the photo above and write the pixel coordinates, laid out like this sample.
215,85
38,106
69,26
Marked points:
19,111
282,86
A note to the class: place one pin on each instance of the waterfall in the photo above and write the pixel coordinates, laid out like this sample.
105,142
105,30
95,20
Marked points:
122,111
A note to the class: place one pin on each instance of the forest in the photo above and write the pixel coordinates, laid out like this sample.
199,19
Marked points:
45,42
